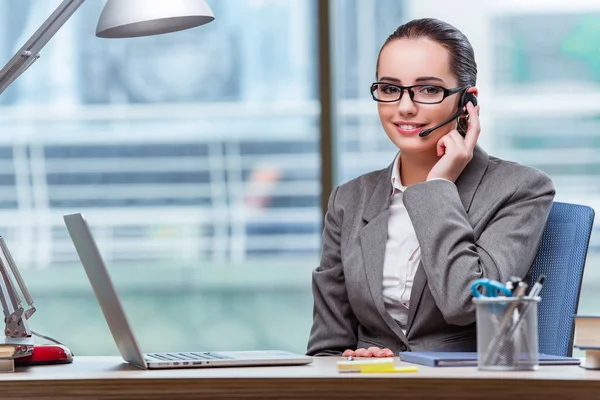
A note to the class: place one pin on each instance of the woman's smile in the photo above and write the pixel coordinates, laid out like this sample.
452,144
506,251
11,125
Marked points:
409,128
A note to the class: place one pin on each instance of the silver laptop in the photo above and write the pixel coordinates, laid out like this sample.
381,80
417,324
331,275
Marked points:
119,325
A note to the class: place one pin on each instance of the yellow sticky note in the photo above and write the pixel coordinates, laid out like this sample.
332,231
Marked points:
375,365
369,369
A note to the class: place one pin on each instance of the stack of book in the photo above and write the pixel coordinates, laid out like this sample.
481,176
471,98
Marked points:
12,351
587,338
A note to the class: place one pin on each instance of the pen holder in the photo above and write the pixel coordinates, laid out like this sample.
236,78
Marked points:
507,333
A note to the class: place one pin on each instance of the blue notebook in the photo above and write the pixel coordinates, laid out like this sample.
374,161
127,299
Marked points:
469,359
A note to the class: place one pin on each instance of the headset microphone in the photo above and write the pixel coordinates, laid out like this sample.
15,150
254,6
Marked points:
466,97
426,132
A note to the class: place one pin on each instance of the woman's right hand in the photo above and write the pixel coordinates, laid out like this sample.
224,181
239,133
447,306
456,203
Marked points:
370,352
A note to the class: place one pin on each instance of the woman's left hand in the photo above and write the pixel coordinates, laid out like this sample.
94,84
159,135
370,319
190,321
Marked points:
456,151
370,352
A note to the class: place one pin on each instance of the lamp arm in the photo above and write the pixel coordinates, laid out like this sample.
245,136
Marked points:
14,315
27,55
18,277
8,295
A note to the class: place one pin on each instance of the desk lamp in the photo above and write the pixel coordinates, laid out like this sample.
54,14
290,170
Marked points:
119,19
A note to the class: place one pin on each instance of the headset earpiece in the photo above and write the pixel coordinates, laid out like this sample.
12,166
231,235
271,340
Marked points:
467,97
464,99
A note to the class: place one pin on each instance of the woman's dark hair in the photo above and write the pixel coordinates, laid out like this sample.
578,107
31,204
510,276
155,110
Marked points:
462,56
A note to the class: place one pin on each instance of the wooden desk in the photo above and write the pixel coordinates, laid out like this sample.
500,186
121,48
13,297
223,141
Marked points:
110,378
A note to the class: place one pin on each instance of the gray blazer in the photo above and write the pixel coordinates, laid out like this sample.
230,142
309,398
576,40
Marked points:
489,224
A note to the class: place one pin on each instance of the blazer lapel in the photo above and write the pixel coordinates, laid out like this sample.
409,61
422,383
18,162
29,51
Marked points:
373,237
466,184
419,282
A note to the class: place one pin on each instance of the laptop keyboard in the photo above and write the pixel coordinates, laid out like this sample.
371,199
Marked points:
188,356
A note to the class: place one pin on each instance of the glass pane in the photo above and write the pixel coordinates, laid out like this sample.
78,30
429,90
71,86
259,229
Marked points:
573,164
361,27
555,55
193,155
546,52
566,148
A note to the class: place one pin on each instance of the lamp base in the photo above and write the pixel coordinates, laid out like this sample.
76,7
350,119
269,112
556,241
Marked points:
46,354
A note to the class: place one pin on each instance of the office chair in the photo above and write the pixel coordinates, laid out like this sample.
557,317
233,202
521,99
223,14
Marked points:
561,257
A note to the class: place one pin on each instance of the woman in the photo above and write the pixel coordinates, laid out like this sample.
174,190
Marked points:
401,246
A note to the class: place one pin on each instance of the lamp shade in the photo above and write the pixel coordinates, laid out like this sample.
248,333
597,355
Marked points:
133,18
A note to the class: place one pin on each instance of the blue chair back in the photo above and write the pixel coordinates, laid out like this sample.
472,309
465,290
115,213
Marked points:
561,257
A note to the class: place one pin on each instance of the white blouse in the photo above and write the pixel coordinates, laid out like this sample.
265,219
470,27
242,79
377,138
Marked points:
402,254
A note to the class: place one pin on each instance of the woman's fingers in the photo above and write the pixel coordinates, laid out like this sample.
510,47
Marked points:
457,139
388,353
349,353
363,353
376,351
474,126
444,142
370,352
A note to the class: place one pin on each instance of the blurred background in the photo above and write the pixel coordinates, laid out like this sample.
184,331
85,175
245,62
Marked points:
196,158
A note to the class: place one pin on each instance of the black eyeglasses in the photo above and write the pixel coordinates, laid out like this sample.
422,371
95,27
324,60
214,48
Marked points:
423,94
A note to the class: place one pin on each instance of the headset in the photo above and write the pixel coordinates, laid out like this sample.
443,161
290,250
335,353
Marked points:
464,99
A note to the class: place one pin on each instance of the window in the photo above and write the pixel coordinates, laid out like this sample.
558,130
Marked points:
194,157
546,53
546,77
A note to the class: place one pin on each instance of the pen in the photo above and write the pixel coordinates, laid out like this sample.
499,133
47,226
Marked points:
537,286
519,291
533,293
513,283
507,330
509,285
